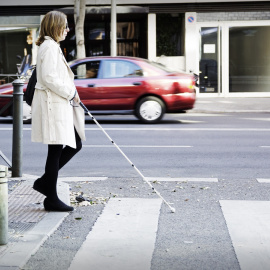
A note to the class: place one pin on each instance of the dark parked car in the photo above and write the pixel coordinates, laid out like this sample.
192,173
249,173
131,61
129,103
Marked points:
128,85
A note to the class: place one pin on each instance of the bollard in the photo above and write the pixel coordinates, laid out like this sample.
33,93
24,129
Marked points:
17,128
3,205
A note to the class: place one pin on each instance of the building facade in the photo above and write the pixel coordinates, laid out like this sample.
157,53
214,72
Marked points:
225,42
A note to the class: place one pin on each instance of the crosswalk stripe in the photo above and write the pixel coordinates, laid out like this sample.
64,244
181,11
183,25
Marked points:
159,179
181,179
82,179
263,180
248,225
123,237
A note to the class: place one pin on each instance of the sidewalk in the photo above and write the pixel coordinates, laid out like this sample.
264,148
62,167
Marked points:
30,225
231,105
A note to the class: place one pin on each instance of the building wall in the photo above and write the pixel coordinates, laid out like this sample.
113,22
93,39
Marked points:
108,2
233,16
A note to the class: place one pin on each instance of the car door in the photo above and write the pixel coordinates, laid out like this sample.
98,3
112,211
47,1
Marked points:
122,83
88,83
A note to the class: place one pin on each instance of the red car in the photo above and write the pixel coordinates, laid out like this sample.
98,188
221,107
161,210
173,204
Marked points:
128,85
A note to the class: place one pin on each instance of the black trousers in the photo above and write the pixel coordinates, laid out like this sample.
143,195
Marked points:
57,157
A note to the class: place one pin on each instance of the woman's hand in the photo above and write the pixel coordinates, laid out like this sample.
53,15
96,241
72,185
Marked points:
77,98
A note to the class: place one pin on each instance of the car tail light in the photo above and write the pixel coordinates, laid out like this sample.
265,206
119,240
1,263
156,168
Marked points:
184,85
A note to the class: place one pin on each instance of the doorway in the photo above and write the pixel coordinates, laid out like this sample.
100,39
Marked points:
234,58
209,60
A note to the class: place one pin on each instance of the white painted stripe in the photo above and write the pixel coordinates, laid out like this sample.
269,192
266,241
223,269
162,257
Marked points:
166,129
263,180
139,146
264,146
82,179
123,237
204,101
190,121
190,113
181,179
184,129
248,224
226,102
259,119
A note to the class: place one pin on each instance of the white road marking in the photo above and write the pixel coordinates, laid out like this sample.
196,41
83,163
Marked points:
181,179
204,114
190,121
104,178
123,236
226,102
264,146
248,224
166,129
204,101
263,180
258,119
82,179
184,129
139,146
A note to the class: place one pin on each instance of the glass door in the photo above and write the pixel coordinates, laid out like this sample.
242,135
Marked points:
209,65
249,65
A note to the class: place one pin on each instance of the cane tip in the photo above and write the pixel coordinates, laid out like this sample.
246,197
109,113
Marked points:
172,210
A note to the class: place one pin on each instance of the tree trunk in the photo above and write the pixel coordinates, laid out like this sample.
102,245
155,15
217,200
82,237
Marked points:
79,16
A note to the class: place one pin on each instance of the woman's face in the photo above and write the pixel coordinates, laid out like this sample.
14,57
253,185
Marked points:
64,33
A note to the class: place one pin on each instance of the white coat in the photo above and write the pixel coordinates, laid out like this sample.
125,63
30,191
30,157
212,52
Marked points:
53,116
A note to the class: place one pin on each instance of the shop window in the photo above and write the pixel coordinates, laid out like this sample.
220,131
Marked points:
15,43
170,37
131,38
249,55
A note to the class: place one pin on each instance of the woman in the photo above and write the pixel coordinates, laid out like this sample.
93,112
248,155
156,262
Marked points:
57,118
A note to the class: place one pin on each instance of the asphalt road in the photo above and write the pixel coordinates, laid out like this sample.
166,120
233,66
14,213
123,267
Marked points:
185,145
234,148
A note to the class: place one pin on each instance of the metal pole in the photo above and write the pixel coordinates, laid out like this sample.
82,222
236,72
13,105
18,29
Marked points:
3,205
113,28
17,128
218,60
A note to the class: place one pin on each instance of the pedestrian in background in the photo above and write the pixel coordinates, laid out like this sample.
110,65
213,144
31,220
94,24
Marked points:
57,118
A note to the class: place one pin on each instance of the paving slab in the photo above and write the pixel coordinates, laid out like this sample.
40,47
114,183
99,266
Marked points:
248,224
122,238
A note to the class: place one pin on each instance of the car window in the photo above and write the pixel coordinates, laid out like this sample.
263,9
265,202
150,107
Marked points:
86,70
120,69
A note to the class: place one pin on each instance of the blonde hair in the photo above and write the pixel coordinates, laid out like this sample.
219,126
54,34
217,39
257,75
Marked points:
52,25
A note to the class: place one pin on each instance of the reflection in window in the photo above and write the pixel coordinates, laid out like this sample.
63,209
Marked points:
119,69
96,31
127,38
88,70
249,65
170,40
127,30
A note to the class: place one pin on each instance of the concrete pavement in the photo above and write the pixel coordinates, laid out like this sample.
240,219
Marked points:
231,105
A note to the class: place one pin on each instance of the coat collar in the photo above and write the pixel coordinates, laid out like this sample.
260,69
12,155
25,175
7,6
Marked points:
64,59
49,38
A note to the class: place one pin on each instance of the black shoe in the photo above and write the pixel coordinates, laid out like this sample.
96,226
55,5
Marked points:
56,205
40,187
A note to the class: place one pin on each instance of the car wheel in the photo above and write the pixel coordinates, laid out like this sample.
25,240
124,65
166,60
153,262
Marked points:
150,109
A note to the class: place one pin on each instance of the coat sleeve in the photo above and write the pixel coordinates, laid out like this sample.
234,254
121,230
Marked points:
49,74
